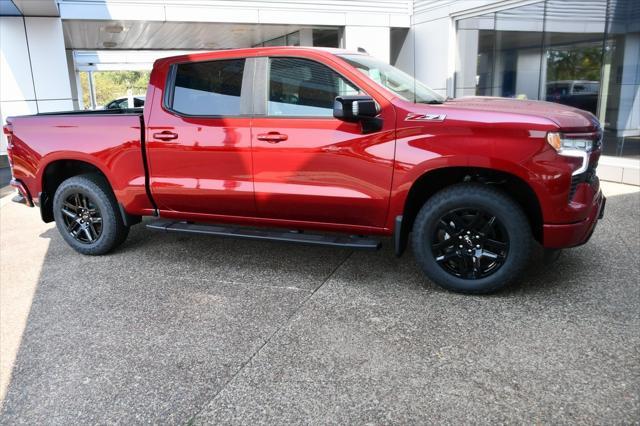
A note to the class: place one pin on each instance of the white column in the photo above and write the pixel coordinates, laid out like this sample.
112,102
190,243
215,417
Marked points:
432,53
33,67
17,95
375,40
74,82
306,37
49,64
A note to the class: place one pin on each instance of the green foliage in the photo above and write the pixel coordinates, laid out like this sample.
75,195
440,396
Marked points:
113,84
578,63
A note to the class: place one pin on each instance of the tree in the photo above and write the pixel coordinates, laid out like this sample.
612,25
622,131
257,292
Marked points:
110,85
574,63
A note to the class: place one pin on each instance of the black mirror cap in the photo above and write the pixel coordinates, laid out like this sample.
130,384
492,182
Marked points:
354,108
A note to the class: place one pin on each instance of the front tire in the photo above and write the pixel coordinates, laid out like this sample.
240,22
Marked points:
87,215
471,238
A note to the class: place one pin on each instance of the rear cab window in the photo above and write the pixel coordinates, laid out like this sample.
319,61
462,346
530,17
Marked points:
211,88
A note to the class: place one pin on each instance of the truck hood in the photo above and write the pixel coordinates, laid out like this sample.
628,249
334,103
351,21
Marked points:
564,116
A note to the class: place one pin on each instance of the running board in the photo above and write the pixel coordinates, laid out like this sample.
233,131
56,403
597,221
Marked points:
352,242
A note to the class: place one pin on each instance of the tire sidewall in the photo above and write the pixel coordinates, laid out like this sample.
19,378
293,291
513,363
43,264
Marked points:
91,190
491,201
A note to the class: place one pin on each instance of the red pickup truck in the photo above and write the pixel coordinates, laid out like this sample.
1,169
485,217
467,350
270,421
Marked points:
319,146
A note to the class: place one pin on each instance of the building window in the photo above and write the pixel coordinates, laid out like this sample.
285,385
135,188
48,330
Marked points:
326,37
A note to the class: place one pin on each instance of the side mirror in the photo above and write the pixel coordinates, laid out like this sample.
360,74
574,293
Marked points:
361,109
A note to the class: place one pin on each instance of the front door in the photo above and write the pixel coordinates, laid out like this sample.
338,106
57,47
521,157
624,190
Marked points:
310,166
199,140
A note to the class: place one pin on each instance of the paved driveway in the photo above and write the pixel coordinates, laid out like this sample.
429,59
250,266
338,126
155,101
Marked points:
176,329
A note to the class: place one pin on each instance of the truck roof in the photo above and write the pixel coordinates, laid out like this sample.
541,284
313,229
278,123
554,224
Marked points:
256,51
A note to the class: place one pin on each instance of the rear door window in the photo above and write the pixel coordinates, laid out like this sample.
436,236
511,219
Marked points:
208,88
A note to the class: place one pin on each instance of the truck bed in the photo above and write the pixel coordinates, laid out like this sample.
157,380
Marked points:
110,140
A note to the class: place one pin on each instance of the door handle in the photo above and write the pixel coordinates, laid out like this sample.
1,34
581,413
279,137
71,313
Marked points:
165,135
272,137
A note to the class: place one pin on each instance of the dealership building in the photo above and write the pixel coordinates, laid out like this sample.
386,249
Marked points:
582,53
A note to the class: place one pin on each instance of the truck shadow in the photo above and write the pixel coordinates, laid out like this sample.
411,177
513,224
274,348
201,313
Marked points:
155,329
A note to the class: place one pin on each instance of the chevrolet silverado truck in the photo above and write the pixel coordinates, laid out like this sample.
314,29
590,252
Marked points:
319,146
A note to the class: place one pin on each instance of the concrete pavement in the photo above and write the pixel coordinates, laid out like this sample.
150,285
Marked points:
176,329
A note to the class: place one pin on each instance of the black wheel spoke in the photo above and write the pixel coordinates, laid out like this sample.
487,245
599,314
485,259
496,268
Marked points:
467,268
447,227
70,206
487,226
470,243
477,264
82,218
457,221
490,255
497,245
69,214
87,232
92,229
447,257
441,245
72,226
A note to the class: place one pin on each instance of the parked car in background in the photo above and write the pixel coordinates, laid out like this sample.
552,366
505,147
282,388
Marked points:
582,94
270,143
123,103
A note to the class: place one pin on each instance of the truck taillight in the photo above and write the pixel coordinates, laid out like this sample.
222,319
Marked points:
7,129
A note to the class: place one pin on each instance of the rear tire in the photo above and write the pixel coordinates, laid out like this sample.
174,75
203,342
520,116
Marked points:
87,215
471,238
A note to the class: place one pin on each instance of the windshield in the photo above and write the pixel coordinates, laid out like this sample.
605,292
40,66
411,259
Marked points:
399,82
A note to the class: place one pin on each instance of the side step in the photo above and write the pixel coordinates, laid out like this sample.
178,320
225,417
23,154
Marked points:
353,242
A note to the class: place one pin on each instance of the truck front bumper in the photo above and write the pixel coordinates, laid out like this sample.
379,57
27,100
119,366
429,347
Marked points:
574,234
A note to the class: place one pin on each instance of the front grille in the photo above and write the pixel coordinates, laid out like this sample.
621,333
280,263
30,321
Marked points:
589,176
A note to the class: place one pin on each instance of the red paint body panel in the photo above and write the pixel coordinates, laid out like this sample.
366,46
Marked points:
109,142
326,175
326,171
573,234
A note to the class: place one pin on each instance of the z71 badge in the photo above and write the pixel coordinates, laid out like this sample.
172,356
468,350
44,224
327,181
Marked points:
425,117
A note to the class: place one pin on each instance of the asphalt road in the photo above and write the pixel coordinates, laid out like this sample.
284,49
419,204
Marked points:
194,330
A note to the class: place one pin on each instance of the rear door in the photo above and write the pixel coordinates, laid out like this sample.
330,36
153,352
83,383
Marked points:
199,139
308,165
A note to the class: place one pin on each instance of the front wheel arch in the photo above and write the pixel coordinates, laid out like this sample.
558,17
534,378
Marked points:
433,181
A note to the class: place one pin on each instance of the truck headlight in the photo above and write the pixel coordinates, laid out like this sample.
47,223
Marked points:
576,145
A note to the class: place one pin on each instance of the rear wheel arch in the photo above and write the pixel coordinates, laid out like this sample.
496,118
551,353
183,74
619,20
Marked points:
433,181
57,171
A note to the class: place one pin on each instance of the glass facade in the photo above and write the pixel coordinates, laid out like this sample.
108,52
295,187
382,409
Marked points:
580,53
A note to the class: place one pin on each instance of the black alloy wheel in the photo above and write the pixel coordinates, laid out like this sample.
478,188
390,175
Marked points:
82,218
87,214
470,243
472,238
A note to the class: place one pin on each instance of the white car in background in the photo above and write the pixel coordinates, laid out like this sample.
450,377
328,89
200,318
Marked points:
123,103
